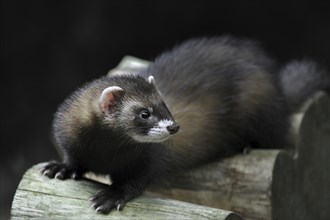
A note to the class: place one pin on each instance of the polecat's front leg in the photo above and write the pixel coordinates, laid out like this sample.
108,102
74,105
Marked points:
120,192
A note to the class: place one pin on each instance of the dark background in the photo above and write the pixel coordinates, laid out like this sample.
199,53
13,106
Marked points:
49,48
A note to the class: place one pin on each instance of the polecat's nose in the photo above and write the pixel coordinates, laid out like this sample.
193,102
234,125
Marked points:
172,129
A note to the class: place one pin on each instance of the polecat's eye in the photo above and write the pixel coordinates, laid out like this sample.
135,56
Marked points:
145,114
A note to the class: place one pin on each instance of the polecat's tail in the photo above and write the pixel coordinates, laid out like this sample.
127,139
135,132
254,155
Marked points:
301,79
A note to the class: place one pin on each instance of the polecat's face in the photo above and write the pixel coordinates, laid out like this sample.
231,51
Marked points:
143,115
152,123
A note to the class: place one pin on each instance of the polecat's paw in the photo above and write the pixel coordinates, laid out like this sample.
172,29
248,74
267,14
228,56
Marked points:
107,200
60,171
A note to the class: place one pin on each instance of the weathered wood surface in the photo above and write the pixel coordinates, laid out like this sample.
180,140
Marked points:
301,182
241,184
42,198
129,64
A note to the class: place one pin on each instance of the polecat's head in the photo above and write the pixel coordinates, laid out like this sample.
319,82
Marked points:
134,106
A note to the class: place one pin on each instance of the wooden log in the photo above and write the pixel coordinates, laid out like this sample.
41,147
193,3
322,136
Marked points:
129,64
39,197
241,183
301,182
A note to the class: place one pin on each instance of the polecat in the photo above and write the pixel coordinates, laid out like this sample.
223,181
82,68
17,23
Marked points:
204,100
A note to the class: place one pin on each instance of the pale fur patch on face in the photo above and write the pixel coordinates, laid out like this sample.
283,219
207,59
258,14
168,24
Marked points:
159,133
165,123
150,139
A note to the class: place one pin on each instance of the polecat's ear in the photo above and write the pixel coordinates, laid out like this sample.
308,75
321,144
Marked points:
151,80
109,97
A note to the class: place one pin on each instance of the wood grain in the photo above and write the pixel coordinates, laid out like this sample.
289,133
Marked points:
40,197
